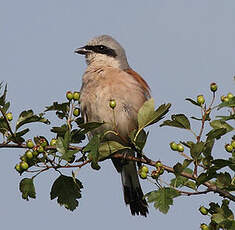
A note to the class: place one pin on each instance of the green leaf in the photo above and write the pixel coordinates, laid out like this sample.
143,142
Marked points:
216,133
69,155
178,121
221,163
148,116
29,117
3,126
230,103
60,145
223,180
196,150
87,127
18,136
109,147
208,146
63,107
178,168
93,149
27,188
139,140
3,97
193,102
227,118
162,198
218,124
60,131
67,190
77,136
6,107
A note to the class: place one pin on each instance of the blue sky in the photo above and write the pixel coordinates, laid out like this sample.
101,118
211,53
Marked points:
179,47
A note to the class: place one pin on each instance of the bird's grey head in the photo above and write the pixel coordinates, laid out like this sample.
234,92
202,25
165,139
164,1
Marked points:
104,50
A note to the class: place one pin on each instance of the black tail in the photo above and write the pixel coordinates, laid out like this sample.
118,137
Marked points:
133,194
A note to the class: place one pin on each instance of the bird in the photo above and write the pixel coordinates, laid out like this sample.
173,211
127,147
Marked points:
107,77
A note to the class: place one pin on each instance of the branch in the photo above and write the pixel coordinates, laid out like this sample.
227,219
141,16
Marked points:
211,187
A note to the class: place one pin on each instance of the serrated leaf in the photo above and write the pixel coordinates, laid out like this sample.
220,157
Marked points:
178,121
87,127
208,146
67,190
60,131
226,118
190,184
139,140
64,107
218,124
27,188
3,97
178,168
18,136
3,126
29,117
223,180
196,149
60,145
216,133
220,163
148,116
77,136
193,102
109,147
162,198
93,149
69,155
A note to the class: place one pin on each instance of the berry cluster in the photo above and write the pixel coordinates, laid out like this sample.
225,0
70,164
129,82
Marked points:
226,98
32,154
230,147
143,172
176,147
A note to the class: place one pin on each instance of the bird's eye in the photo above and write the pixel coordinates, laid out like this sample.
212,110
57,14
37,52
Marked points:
101,47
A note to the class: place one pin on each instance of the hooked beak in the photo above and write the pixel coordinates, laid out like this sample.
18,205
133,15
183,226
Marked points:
81,50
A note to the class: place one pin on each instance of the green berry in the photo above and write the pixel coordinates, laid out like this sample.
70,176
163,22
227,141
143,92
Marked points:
155,175
43,142
233,143
112,104
222,98
23,158
53,142
229,96
200,99
226,99
9,116
213,87
180,147
17,168
174,146
69,95
204,227
76,112
76,96
29,154
29,144
143,175
158,164
203,210
39,149
24,165
144,169
228,148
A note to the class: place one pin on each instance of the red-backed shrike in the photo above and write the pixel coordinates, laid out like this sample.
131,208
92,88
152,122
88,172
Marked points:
109,77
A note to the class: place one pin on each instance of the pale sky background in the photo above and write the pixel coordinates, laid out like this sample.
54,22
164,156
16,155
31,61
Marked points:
178,46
